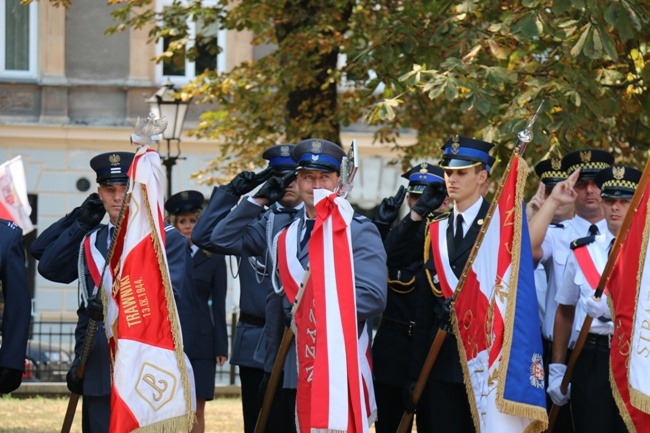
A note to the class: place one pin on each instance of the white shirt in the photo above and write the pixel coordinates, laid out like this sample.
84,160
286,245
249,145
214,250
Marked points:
575,289
469,215
556,251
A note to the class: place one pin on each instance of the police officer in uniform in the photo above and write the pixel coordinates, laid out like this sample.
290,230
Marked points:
60,262
17,310
550,173
550,243
391,347
252,348
184,209
592,401
465,163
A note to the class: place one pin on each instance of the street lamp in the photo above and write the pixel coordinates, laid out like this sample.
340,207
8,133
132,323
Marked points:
163,103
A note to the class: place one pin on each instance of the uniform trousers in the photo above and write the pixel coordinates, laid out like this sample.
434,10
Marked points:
250,378
445,409
390,407
592,402
95,414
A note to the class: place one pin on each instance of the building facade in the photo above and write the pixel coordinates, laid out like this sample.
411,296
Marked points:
69,92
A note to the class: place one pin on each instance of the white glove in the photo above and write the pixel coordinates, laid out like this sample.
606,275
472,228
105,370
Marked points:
597,307
555,376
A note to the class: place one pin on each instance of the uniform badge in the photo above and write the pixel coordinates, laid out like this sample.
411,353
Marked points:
284,150
316,146
314,157
556,164
423,168
114,159
618,172
185,195
455,145
537,371
436,280
585,155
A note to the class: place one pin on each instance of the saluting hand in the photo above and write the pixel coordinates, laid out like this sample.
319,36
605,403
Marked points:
536,201
564,192
389,208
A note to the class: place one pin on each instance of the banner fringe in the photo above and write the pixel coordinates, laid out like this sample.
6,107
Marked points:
637,398
620,403
172,425
173,315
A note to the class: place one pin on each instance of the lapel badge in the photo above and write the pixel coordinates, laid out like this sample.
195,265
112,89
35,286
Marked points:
284,150
455,145
114,159
556,164
618,172
585,155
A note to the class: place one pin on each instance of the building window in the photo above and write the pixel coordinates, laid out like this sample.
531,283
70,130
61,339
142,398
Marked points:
178,68
18,39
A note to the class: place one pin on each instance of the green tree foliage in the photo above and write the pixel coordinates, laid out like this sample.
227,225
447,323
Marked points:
436,68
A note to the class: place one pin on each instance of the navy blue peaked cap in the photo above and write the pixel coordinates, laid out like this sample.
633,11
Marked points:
422,175
112,167
280,158
318,154
184,202
462,152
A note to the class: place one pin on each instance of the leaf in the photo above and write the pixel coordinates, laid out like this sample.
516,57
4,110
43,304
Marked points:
609,45
527,26
472,53
497,50
577,48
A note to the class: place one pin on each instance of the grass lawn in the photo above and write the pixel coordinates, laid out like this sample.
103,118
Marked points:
45,415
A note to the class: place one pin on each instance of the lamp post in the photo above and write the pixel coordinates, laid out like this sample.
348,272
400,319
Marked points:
163,103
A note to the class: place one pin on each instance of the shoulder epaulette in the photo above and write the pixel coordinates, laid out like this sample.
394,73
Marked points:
437,216
169,228
361,218
580,242
556,225
12,225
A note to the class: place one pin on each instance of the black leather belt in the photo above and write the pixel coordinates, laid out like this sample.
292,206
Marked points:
397,325
604,340
251,319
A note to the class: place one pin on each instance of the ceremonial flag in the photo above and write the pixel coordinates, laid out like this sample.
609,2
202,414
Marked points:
629,297
14,205
496,319
334,392
153,384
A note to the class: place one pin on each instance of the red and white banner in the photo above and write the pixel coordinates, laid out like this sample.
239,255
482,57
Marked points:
153,384
334,391
495,316
14,205
629,297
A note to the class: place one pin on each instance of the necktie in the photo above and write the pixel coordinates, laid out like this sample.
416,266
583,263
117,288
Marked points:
593,230
309,225
458,234
111,233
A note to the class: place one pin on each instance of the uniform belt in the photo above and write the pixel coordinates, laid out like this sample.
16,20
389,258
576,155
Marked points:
604,340
397,325
251,319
